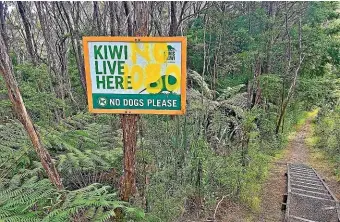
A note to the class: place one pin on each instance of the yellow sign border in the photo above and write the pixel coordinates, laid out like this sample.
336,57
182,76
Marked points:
183,40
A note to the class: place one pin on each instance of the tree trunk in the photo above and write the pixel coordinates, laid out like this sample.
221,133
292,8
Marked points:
96,19
51,59
128,15
75,37
2,23
112,19
20,109
215,71
293,84
173,19
258,91
204,56
27,27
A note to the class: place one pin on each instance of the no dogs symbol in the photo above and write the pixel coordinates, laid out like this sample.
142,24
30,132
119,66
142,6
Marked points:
102,101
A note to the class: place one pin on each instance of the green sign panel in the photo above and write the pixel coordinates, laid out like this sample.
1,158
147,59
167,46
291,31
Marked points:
136,75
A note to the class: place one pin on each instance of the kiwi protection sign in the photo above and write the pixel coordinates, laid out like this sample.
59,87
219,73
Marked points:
136,75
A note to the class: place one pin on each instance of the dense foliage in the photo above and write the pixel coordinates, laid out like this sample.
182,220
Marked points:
246,57
327,132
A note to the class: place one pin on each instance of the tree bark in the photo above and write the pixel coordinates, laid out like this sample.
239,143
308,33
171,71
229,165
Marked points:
27,27
215,71
173,19
2,23
112,19
75,38
128,17
204,56
20,109
96,19
51,60
270,41
128,180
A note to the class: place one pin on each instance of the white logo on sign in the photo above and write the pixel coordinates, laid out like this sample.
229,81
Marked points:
102,101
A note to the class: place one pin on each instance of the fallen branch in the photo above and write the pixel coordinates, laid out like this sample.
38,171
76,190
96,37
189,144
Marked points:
218,204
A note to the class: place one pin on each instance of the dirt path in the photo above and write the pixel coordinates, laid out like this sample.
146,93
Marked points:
297,152
275,187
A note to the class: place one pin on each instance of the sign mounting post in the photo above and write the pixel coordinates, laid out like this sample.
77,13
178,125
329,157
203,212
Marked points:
135,75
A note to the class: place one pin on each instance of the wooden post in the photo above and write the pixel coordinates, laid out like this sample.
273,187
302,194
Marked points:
129,121
128,180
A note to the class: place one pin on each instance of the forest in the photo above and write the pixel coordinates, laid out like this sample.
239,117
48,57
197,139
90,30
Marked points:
254,71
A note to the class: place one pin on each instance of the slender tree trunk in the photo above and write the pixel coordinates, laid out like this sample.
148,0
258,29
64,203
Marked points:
173,19
128,15
20,109
118,19
215,74
51,60
75,37
112,19
258,91
293,84
2,22
271,14
28,34
96,19
204,56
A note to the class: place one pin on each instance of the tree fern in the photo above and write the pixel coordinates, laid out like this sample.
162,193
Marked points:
83,150
40,201
91,202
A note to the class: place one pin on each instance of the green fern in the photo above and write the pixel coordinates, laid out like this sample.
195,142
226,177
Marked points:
83,149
